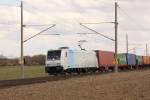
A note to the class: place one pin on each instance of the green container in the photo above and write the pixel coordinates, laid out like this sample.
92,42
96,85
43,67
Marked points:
122,60
139,60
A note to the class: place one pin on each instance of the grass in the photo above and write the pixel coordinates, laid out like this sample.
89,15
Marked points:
14,72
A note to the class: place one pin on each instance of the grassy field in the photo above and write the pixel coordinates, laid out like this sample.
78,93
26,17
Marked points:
134,85
14,72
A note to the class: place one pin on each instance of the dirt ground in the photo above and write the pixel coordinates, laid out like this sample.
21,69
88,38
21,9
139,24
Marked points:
115,86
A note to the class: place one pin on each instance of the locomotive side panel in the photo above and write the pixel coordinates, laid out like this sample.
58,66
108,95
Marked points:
82,59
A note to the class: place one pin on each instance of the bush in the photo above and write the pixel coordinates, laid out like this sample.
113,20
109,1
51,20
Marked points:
28,60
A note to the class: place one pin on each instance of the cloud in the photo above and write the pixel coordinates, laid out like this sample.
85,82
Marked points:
67,15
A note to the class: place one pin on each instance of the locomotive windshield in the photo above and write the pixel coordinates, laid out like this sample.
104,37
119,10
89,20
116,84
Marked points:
54,55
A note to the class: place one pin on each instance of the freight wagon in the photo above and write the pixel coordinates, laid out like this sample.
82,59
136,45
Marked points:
131,59
122,60
127,60
146,60
66,60
106,59
139,60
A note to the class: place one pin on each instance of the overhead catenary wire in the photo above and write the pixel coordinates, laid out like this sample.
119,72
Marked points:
7,5
105,2
37,25
97,32
86,33
49,34
97,23
139,25
39,33
9,23
132,19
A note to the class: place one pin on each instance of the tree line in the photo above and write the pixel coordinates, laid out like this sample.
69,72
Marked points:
28,61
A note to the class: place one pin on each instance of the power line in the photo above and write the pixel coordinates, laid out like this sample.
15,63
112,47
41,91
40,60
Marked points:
104,1
132,19
98,23
9,24
39,33
97,32
8,5
29,6
86,33
49,34
37,25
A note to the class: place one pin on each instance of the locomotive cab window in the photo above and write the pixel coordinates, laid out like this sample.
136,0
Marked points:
54,55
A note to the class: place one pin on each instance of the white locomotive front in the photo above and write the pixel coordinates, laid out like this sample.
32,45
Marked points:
66,60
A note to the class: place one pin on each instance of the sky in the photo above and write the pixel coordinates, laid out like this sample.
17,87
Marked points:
133,19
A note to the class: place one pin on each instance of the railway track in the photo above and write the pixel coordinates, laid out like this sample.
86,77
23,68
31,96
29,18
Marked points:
16,82
26,81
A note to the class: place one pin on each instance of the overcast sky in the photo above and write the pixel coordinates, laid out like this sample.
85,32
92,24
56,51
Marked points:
133,18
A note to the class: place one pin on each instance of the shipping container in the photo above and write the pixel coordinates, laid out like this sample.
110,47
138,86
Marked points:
139,60
131,60
146,60
122,59
126,59
148,57
105,58
149,60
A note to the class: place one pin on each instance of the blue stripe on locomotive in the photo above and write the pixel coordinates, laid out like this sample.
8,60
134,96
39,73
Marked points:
131,59
71,59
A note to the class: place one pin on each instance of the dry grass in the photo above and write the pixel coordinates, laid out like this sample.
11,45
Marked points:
116,86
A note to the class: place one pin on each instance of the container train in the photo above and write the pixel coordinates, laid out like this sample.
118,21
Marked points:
65,60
